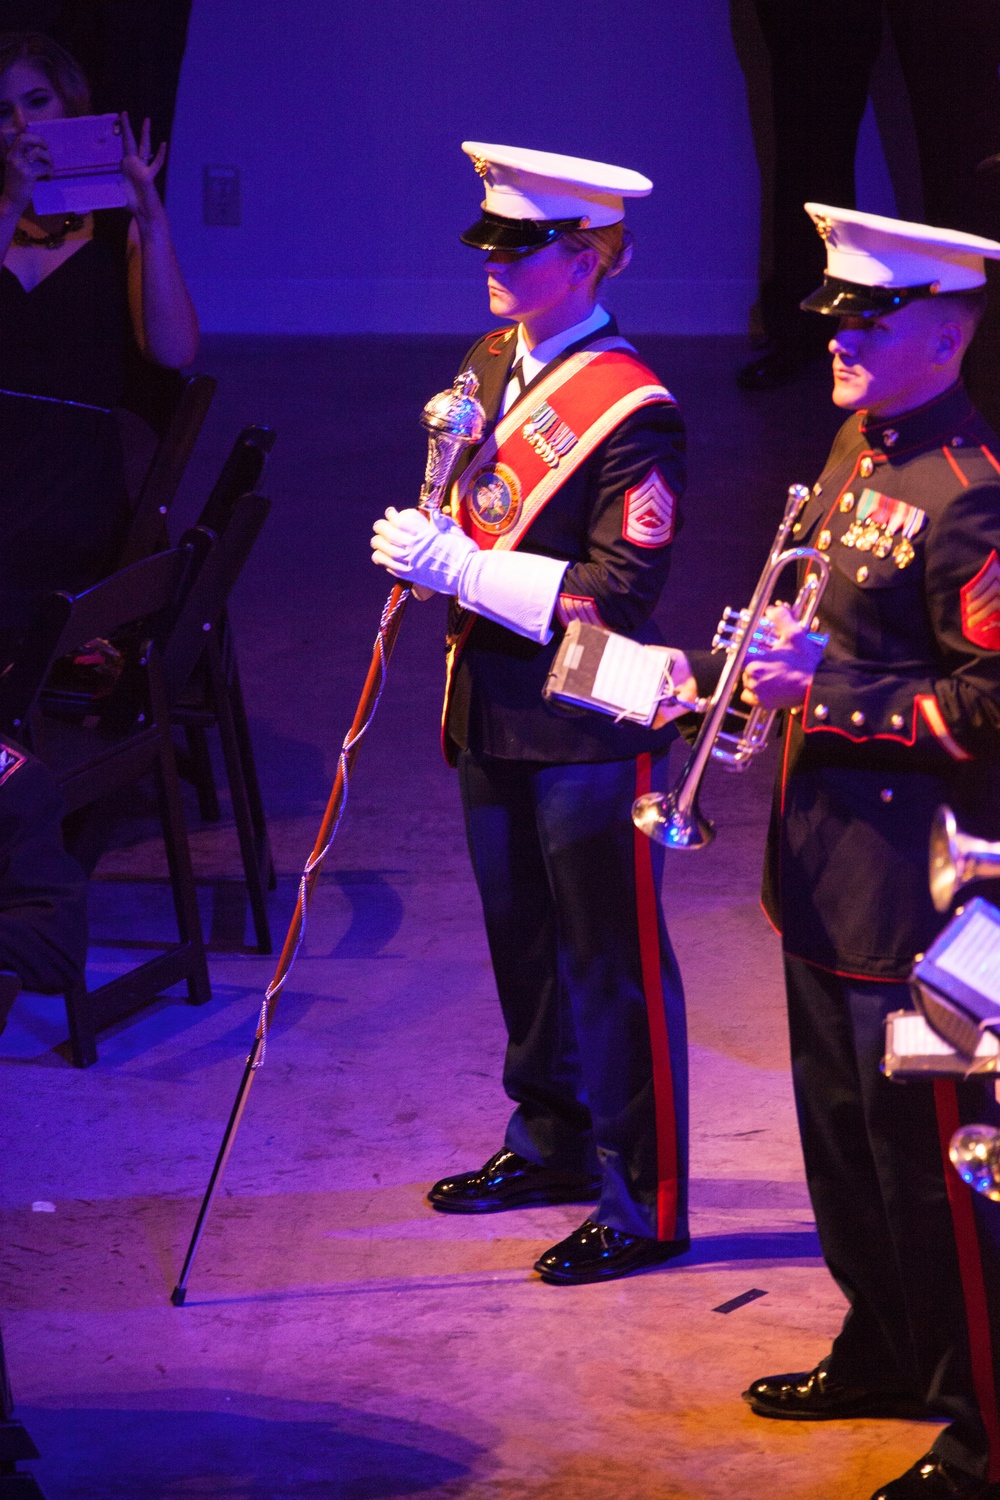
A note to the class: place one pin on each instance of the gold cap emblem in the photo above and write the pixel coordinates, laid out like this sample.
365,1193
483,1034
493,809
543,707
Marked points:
481,165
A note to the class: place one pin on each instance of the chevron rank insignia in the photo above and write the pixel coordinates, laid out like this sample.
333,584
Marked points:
11,760
649,512
981,606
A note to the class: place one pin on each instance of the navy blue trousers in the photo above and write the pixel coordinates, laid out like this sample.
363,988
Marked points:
596,1059
915,1252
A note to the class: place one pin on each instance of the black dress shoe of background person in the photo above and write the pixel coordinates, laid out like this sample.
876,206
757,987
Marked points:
509,1181
596,1252
776,363
814,1396
933,1479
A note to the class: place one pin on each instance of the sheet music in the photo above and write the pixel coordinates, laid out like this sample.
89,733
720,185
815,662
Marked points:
974,957
912,1037
630,676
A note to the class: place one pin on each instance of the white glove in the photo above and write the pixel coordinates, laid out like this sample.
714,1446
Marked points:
423,549
516,589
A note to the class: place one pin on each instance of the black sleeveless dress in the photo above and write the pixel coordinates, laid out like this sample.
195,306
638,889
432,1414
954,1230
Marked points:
63,349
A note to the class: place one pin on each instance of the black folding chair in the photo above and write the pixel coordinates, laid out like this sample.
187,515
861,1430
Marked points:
214,697
174,406
130,739
199,662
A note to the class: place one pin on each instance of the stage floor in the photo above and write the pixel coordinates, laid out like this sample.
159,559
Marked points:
340,1339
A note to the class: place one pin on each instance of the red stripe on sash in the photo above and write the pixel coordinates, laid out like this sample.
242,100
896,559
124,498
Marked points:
970,1267
647,911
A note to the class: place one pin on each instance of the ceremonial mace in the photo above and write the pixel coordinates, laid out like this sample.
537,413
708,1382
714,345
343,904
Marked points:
454,419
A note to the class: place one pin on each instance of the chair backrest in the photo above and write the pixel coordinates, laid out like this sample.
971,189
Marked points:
178,435
240,475
202,603
143,592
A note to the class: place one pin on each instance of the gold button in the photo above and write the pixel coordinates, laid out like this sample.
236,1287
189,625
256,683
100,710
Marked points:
867,468
862,574
847,502
796,528
857,717
817,488
897,721
886,794
823,541
821,711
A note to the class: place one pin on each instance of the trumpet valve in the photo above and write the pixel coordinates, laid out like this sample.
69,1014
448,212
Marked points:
729,631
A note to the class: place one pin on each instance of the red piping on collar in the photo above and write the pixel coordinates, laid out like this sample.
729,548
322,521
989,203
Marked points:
954,465
989,457
504,337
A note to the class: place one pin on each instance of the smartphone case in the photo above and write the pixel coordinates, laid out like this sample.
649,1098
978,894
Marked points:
87,153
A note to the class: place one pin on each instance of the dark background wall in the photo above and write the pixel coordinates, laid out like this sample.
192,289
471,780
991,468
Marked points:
344,123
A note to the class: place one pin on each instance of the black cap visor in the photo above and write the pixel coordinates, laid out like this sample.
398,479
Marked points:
495,233
849,299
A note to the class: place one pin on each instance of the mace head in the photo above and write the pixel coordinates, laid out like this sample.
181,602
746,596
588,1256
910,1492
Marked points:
456,413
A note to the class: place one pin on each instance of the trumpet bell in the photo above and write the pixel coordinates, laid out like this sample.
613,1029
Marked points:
975,1155
956,858
661,819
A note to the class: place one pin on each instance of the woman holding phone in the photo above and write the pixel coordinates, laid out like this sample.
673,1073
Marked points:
80,296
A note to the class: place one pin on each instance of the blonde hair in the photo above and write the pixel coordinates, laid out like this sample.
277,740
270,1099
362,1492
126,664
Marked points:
612,243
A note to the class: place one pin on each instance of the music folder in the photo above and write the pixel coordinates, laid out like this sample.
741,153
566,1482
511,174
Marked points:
594,668
956,983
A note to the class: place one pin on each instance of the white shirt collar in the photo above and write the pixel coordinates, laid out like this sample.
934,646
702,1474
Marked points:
535,360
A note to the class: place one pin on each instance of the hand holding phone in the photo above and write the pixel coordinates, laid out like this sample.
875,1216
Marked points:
27,160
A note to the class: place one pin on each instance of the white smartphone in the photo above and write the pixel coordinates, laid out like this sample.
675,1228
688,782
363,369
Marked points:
86,173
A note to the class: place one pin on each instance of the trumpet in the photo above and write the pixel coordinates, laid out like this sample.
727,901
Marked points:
956,858
674,819
975,1154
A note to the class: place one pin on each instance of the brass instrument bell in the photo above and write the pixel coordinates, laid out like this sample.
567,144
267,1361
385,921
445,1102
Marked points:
975,1154
956,858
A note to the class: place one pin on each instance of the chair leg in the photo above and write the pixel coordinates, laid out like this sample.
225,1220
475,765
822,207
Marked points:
234,692
256,878
182,884
200,764
82,1038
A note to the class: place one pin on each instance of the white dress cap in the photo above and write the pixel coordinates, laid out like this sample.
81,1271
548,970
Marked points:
542,185
875,264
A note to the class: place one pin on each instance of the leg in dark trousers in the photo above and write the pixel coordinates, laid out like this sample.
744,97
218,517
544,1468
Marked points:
821,61
587,980
895,1230
952,52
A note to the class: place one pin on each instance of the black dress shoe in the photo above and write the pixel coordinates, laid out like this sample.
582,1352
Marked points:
509,1181
813,1396
933,1479
595,1252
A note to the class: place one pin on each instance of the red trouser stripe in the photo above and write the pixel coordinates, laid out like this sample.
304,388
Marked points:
647,912
971,1269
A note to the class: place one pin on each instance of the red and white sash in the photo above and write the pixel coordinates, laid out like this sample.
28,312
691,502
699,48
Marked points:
545,437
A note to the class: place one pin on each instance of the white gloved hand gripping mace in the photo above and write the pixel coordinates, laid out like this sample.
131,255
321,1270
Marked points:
454,419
